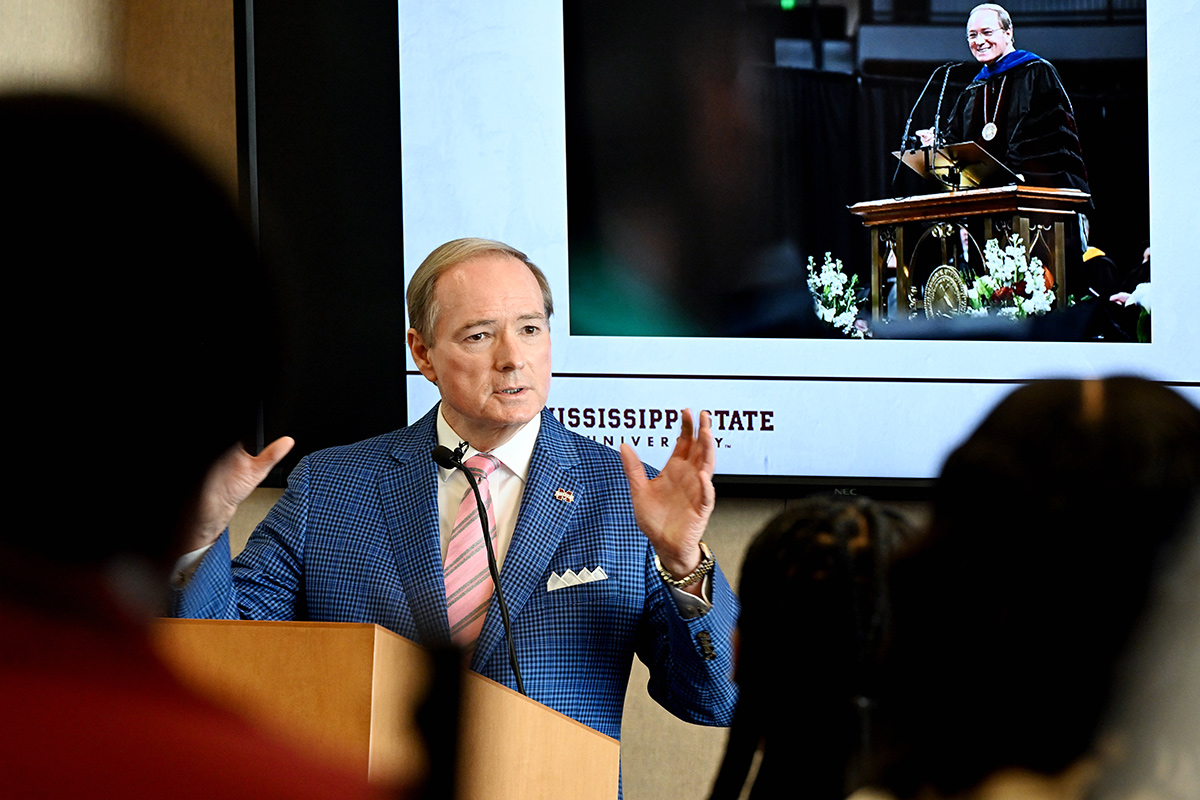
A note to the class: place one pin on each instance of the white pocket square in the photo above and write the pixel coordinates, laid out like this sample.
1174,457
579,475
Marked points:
573,578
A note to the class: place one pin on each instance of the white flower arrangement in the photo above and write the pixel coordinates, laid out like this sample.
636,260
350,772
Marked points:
1014,284
835,296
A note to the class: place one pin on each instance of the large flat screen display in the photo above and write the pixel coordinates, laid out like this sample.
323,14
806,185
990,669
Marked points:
485,104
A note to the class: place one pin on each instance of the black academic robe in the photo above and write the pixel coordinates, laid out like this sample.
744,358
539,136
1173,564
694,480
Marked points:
1036,135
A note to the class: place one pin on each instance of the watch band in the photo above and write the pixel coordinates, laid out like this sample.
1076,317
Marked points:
703,568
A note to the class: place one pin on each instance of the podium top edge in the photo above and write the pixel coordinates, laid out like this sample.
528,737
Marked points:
250,623
1015,190
970,202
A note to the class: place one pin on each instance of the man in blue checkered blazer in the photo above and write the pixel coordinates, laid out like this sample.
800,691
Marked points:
357,536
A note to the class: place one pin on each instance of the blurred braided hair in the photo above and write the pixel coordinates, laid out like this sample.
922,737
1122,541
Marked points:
814,617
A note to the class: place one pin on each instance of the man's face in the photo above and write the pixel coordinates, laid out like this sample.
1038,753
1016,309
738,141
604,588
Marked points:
491,353
985,37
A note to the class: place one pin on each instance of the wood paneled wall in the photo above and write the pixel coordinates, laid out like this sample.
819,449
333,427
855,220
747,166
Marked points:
173,58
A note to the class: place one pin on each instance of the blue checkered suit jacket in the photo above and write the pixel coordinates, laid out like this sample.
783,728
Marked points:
355,539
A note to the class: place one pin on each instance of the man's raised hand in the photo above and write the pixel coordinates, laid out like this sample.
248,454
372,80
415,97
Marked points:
674,508
229,481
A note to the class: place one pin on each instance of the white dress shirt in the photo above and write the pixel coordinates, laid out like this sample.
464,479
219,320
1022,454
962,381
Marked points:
507,483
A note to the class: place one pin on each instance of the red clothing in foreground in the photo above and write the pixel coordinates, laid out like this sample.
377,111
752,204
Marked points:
88,710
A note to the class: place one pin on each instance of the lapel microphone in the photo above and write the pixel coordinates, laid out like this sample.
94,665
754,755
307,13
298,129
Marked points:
447,458
452,459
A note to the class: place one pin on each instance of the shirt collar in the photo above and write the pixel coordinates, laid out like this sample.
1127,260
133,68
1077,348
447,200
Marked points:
515,454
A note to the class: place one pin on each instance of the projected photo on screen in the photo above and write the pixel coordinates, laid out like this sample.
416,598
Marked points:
718,181
672,167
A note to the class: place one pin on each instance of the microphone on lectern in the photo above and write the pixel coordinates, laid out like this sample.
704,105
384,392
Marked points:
938,134
904,138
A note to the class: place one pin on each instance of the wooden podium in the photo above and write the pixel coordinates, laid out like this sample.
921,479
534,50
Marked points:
351,690
1036,213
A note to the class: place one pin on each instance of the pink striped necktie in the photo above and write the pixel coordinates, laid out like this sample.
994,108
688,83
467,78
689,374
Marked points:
468,582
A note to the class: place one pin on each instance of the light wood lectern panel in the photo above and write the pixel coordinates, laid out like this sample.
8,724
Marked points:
352,689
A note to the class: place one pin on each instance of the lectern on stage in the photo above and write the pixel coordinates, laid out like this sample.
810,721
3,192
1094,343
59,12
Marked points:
352,689
1038,214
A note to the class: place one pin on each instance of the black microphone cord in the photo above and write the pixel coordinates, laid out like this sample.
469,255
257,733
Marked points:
451,460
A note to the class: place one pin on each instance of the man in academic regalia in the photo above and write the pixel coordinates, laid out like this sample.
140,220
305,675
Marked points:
1016,107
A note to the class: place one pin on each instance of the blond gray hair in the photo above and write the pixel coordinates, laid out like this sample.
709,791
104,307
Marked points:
422,301
1005,19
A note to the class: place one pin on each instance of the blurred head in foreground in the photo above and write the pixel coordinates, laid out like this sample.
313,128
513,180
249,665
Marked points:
132,322
1011,619
132,314
814,614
